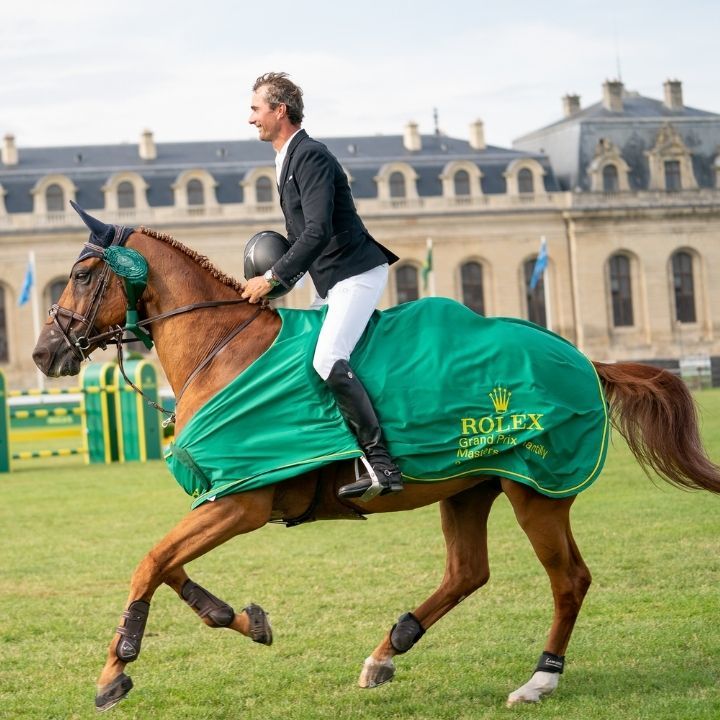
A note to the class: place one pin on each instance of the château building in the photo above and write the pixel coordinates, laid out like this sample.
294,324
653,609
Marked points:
626,193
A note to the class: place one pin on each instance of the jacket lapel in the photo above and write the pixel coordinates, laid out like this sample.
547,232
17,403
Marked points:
301,135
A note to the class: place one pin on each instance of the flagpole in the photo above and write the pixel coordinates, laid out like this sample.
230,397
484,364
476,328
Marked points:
431,272
35,309
546,292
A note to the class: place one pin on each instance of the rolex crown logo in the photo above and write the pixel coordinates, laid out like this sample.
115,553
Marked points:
500,397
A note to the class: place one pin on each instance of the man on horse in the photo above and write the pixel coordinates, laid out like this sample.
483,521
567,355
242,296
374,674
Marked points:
348,267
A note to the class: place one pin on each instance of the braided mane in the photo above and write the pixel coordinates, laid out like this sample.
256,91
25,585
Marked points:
201,260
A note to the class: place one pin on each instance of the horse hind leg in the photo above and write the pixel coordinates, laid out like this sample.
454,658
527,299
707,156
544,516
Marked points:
252,621
464,523
546,522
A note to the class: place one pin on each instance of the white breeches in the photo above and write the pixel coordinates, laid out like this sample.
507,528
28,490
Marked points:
350,304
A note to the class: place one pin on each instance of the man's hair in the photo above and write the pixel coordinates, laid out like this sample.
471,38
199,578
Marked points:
279,90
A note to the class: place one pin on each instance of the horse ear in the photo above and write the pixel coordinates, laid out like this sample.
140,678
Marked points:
104,233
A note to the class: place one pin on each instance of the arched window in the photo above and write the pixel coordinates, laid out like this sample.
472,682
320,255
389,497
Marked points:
54,198
195,192
55,290
4,355
526,183
673,181
535,297
621,290
682,269
263,190
126,195
611,183
397,185
471,276
406,282
461,180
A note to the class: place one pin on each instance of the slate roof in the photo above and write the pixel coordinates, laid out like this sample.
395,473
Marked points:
228,161
570,143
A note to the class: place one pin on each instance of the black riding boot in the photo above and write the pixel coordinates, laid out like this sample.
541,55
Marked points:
359,414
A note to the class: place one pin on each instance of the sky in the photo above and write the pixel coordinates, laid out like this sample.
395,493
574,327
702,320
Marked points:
78,72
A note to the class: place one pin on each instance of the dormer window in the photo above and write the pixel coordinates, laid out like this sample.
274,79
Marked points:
610,179
264,190
51,195
195,193
525,181
673,179
524,177
259,189
461,183
397,185
54,198
125,195
670,162
608,171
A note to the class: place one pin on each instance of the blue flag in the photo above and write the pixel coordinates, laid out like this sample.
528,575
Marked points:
26,286
540,265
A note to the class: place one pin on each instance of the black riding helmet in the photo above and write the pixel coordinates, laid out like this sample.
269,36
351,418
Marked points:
262,251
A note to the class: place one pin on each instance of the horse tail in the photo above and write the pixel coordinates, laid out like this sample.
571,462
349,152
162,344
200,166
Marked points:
656,414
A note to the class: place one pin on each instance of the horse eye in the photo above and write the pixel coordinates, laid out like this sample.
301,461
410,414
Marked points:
82,276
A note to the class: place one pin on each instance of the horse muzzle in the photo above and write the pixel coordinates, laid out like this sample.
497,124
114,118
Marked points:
54,357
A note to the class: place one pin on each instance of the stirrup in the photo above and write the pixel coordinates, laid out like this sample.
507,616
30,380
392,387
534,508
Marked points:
371,484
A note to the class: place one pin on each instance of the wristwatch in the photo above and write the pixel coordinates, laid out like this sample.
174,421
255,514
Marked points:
270,278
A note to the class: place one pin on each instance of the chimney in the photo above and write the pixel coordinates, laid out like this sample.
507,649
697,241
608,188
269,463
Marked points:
9,151
477,135
571,105
673,94
612,95
411,137
147,148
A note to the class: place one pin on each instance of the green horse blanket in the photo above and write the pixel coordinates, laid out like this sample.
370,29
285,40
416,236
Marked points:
457,395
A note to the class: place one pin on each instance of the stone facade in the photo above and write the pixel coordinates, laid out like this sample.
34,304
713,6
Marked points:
625,193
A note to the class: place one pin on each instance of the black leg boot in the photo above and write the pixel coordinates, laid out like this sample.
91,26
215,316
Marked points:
359,414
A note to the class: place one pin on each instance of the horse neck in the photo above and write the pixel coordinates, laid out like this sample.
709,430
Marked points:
183,341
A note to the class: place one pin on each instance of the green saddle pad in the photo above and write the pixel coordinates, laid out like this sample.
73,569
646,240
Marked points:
457,395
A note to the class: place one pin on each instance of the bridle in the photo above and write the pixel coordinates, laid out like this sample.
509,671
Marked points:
80,345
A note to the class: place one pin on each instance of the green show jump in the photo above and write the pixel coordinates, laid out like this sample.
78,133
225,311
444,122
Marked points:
460,395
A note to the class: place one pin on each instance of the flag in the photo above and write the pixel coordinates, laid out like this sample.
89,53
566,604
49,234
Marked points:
540,265
28,281
427,265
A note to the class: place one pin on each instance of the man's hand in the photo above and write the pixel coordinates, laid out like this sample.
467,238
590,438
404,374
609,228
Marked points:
256,288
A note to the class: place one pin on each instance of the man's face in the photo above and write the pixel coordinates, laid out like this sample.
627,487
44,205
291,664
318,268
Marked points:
266,120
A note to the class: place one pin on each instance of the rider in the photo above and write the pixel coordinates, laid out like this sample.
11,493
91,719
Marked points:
348,267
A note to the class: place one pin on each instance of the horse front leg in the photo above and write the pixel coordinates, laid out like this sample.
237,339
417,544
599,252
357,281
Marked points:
546,522
197,533
464,523
252,621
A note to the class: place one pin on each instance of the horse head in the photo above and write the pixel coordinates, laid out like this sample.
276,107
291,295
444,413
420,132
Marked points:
92,304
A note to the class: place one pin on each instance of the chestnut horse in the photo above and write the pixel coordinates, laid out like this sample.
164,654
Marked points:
651,408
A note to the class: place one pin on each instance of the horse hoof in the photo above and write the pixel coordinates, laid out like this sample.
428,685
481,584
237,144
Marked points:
376,672
540,685
260,628
113,693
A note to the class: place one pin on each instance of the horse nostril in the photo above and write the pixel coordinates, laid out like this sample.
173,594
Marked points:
41,357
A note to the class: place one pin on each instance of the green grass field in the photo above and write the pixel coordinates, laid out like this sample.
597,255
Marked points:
647,644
